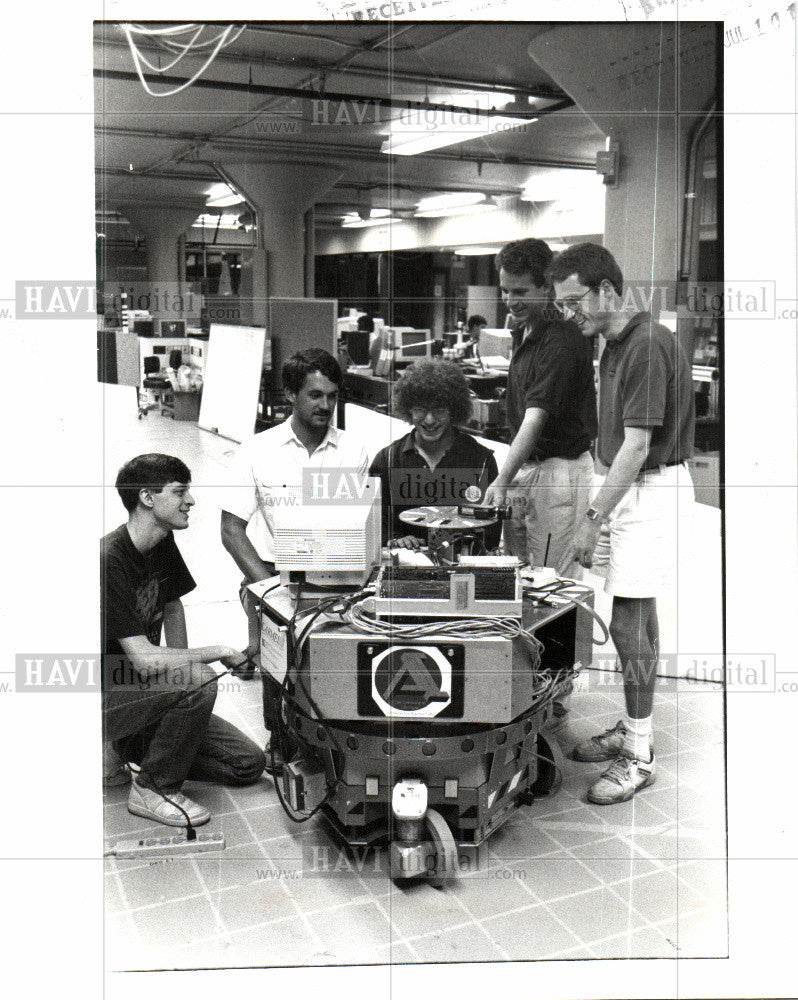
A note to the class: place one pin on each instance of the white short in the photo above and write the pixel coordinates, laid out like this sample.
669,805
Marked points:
645,531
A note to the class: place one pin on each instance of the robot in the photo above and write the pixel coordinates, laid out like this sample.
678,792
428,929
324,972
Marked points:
419,703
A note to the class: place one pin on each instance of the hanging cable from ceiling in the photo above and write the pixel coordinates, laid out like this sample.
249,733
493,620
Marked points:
166,37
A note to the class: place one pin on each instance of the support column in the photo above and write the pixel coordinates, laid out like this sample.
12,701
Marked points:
644,86
161,226
281,194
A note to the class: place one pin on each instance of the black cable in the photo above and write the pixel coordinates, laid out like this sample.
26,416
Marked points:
284,696
295,645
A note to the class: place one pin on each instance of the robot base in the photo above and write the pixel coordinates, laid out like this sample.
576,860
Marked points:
474,778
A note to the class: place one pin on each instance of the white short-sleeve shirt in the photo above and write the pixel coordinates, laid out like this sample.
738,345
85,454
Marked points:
274,459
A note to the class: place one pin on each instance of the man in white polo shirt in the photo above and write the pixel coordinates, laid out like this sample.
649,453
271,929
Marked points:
276,458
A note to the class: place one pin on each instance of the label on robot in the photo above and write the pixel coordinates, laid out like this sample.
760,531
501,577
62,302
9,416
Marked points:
273,649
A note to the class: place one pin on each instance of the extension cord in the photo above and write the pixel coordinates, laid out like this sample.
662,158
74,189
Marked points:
163,847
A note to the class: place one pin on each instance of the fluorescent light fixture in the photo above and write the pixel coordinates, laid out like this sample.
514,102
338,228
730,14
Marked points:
210,221
377,217
221,195
562,184
457,199
477,251
440,213
217,190
418,131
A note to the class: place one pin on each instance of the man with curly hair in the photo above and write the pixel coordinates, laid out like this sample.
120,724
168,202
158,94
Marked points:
436,462
551,412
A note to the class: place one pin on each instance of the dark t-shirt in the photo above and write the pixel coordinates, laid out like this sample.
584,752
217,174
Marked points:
407,481
135,587
552,369
646,381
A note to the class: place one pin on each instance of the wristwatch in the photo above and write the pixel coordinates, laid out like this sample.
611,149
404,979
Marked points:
592,514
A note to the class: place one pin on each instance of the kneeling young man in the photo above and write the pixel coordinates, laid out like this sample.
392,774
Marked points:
158,700
646,431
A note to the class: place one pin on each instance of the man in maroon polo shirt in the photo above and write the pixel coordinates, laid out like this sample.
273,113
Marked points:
646,431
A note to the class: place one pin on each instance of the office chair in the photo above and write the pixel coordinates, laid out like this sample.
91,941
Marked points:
153,386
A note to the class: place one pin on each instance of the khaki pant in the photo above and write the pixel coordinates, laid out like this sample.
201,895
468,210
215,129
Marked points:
549,500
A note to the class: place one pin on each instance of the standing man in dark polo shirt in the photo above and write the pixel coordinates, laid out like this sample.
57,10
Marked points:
551,412
436,462
646,430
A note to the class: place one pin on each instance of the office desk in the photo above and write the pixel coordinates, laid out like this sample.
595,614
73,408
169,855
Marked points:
181,405
367,389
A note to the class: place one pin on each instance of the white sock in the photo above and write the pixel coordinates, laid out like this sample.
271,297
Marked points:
637,741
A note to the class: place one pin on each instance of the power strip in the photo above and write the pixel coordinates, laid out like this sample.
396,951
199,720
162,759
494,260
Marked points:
165,847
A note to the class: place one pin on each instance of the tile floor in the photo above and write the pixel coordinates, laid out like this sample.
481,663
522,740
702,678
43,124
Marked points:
562,879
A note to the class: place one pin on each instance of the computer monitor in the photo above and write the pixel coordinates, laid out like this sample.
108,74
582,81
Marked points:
493,342
144,327
411,345
328,531
357,344
173,328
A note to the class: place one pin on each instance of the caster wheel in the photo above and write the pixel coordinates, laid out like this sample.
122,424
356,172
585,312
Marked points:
550,767
446,864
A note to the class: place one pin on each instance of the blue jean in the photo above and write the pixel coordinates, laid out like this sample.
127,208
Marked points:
171,733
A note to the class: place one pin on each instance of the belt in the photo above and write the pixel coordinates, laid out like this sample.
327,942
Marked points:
537,457
659,468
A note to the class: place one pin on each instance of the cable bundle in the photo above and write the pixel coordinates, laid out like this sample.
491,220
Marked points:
452,628
171,39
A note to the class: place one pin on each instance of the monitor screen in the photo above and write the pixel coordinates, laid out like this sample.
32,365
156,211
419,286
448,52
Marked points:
173,328
412,344
144,327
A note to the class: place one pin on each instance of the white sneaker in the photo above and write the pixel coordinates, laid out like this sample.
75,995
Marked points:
152,805
624,777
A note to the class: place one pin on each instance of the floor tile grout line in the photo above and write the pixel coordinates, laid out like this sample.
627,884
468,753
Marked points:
620,837
655,925
285,887
127,911
478,922
269,923
221,927
388,916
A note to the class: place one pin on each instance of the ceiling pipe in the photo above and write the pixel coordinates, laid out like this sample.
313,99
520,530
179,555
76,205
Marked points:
268,90
311,150
688,217
373,72
176,175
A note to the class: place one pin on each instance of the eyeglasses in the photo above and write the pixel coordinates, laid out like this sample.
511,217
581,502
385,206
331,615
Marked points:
571,307
418,413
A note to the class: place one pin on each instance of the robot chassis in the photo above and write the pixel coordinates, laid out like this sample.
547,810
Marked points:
430,743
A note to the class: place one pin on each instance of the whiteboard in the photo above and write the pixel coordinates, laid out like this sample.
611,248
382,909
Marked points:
233,365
